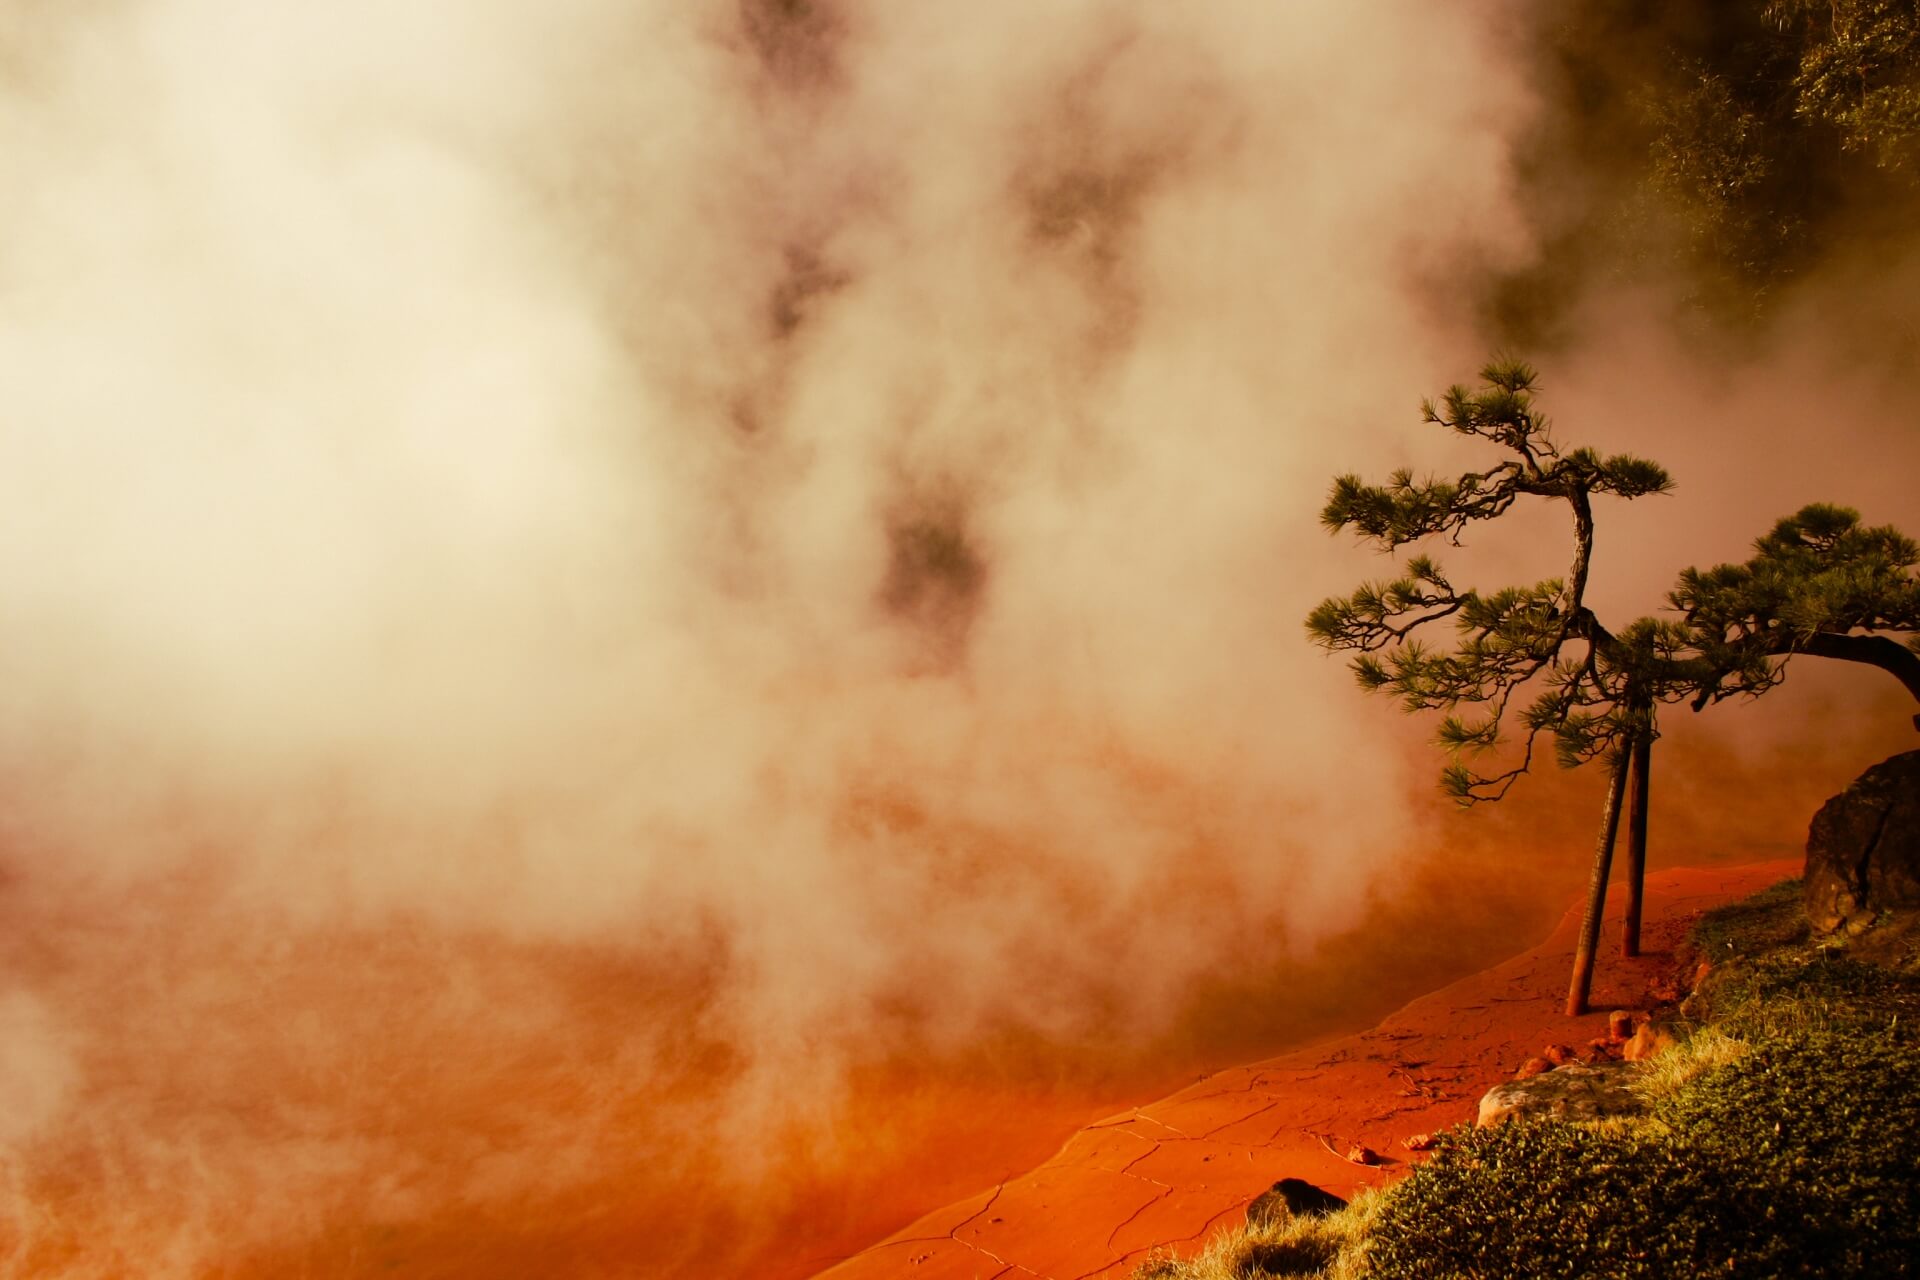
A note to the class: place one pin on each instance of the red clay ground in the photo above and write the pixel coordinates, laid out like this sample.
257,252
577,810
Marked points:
1169,1173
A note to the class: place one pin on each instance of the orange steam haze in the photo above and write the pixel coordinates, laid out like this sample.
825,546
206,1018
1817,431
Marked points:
644,639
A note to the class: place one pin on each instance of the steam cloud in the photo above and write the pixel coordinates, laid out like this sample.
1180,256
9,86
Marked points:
808,503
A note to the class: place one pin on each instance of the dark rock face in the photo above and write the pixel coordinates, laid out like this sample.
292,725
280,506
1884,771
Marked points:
1290,1197
1863,851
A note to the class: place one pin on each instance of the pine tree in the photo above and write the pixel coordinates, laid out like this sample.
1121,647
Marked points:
1587,687
1819,584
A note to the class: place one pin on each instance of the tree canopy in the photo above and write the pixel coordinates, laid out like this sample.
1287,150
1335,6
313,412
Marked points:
1756,134
1586,684
1821,583
1724,146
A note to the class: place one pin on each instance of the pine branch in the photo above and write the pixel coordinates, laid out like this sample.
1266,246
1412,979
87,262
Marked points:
1819,583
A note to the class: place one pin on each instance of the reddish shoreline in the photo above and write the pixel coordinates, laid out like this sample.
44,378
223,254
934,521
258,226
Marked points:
1169,1172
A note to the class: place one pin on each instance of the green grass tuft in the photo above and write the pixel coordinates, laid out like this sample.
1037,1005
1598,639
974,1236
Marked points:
1323,1246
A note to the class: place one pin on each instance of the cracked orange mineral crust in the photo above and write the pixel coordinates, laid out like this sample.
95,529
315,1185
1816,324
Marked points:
1169,1173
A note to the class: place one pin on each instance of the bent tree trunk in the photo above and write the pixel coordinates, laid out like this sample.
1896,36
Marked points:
1636,843
1896,659
1597,889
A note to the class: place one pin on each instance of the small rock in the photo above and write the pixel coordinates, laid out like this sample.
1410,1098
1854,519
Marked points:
1646,1042
1619,1025
1357,1154
1420,1142
1532,1067
1575,1092
1559,1054
1291,1197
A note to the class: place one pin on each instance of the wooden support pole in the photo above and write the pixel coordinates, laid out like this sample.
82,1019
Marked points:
1597,889
1636,844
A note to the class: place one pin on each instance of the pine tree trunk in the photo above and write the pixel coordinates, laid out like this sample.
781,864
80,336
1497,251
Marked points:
1597,890
1636,844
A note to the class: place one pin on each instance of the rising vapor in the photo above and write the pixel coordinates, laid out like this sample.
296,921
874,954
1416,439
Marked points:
579,586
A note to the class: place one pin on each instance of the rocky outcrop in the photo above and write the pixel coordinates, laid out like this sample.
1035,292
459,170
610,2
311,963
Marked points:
1863,850
1573,1092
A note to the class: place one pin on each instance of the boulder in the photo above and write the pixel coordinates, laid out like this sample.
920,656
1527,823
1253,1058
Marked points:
1576,1091
1863,850
1291,1197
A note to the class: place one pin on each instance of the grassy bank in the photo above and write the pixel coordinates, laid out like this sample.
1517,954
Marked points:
1779,1138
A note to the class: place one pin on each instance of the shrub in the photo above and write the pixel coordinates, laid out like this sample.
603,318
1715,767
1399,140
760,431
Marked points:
1545,1198
1819,1129
1793,1159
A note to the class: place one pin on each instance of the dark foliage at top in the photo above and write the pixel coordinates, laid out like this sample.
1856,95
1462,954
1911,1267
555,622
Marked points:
1729,142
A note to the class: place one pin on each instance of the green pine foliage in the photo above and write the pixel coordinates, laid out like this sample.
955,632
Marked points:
1525,661
1575,681
1718,150
1819,572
